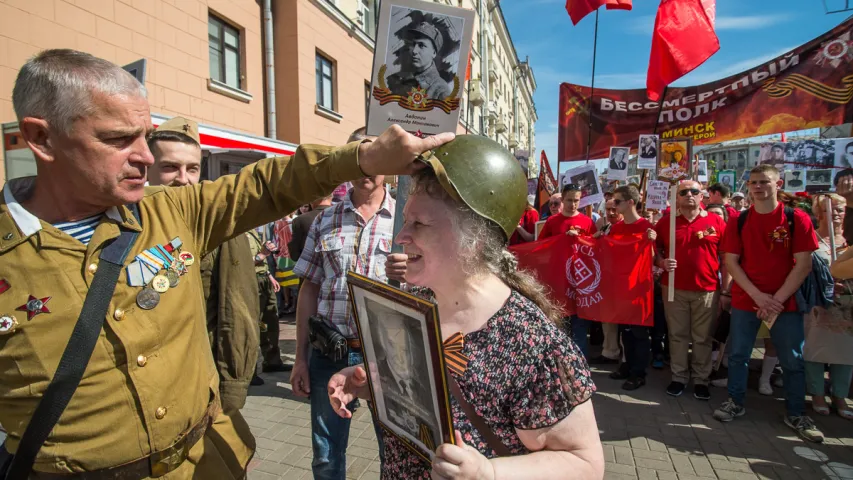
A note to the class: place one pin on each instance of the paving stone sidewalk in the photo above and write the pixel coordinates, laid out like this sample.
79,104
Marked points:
646,434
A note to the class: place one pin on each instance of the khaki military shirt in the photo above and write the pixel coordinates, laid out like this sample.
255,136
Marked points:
256,244
152,375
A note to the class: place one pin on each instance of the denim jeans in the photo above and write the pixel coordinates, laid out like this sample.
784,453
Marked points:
788,336
329,432
578,330
636,341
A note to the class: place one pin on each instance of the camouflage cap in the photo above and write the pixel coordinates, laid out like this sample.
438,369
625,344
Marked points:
181,125
429,31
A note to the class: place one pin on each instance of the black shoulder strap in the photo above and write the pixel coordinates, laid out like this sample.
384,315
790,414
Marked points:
77,353
741,220
789,216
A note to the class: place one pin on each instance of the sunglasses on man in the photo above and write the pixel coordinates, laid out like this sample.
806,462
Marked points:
693,191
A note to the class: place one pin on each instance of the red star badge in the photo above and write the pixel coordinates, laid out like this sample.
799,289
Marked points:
34,306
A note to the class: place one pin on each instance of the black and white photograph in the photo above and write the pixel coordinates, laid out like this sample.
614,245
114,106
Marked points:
809,153
702,173
586,178
844,153
419,66
618,163
402,352
818,180
773,153
795,181
647,152
727,178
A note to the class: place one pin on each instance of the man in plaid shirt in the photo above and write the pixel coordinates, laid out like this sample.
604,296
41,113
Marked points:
353,235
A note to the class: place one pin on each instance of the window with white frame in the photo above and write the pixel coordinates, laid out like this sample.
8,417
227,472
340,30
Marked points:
224,46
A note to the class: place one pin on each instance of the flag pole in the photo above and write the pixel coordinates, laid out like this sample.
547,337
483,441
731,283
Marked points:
592,88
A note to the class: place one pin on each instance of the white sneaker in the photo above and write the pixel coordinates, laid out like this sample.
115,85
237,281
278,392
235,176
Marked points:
720,382
765,389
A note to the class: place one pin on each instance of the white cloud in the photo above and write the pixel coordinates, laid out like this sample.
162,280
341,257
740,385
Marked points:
645,24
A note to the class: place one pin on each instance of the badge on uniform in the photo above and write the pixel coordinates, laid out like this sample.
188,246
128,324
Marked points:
158,269
8,324
34,306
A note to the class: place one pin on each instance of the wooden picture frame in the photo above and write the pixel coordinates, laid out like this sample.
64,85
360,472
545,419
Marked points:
401,342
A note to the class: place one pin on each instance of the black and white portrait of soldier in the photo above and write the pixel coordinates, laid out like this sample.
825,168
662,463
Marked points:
648,147
401,360
423,51
618,158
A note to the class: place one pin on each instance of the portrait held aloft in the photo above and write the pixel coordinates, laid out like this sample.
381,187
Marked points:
401,341
674,159
421,50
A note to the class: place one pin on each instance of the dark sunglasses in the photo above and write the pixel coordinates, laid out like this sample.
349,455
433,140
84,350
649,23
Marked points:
692,191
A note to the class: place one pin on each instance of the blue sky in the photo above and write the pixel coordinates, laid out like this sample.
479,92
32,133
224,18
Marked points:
750,32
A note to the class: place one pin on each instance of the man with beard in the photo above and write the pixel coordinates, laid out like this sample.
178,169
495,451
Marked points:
424,43
228,279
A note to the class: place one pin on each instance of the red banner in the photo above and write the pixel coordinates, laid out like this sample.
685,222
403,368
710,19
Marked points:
547,184
608,279
808,87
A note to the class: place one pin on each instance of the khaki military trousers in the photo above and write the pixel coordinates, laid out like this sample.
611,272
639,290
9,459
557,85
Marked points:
689,319
269,316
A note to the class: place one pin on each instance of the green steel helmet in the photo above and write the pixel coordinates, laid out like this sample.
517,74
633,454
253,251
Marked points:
485,176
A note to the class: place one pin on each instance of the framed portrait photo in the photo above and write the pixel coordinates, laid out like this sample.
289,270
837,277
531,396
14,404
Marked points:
404,359
675,159
618,163
419,66
727,178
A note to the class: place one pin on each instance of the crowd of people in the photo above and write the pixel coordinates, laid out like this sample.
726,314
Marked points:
744,269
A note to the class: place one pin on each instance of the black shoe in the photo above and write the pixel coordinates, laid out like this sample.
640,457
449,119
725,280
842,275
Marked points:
621,373
256,381
701,392
277,368
633,383
602,360
675,389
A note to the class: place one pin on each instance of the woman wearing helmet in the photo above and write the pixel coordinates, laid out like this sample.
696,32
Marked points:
526,379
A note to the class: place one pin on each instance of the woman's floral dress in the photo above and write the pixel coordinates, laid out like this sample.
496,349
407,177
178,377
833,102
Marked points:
523,373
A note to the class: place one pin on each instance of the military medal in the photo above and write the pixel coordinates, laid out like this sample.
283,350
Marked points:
34,306
187,258
173,277
4,285
147,299
8,324
160,284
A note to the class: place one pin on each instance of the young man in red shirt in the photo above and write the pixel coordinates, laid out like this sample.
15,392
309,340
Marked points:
768,260
570,221
689,317
722,195
635,338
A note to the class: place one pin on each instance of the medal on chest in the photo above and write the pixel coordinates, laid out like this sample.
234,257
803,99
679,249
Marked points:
158,269
779,235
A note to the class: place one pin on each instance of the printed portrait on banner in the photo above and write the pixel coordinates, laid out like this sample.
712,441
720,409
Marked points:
818,179
420,61
795,181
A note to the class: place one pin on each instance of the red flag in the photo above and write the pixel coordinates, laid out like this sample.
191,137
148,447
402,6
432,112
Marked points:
683,39
546,185
608,279
580,8
619,4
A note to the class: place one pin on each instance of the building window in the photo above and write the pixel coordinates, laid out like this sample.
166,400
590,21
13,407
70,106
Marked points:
324,69
224,43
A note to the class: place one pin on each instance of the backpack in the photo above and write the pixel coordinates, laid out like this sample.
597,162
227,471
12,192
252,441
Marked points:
818,289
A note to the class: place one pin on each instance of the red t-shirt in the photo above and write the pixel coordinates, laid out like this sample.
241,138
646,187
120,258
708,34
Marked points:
560,224
731,211
766,253
528,222
696,250
622,228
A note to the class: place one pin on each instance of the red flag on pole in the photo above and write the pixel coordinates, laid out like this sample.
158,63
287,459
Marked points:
619,4
580,8
683,39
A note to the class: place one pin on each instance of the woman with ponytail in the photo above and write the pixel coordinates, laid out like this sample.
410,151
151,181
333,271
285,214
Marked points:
525,379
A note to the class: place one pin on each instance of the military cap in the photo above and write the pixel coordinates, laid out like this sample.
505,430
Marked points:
181,125
429,31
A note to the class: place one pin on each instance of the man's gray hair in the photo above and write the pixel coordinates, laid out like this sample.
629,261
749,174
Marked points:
57,86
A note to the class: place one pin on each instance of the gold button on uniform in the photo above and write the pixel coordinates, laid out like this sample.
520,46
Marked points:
160,413
142,360
93,268
118,314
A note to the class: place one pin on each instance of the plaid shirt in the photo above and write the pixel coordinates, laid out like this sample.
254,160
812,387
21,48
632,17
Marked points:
339,241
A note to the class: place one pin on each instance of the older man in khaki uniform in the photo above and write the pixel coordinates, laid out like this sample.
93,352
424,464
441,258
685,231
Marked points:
151,386
228,279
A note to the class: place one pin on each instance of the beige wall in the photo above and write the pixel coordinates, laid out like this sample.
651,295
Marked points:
302,29
171,34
